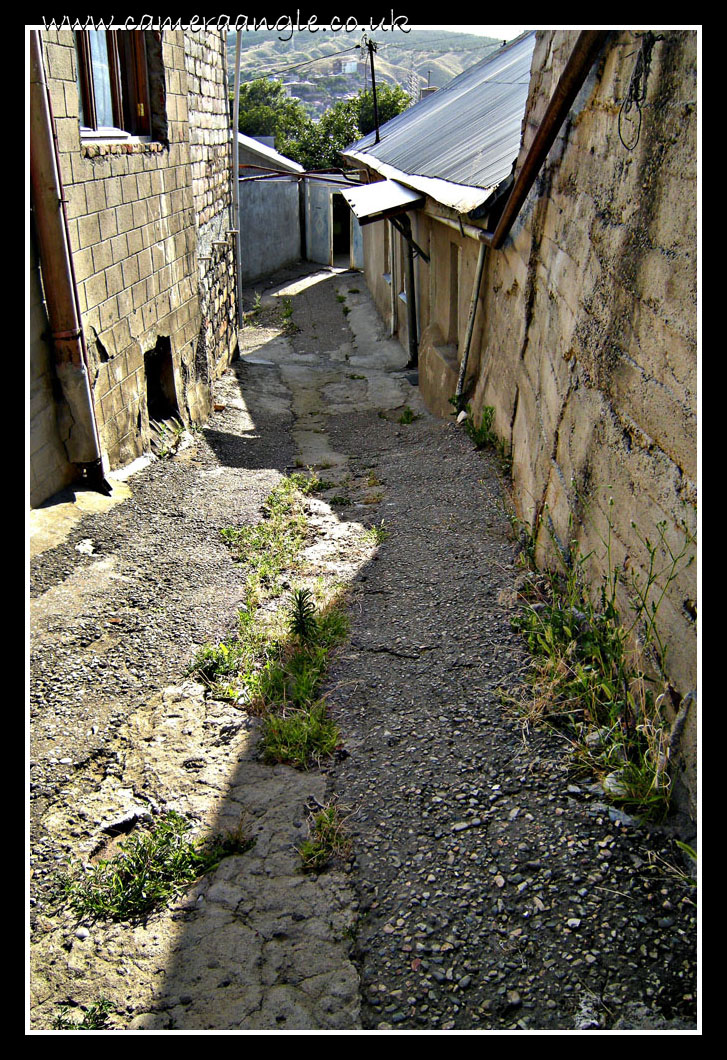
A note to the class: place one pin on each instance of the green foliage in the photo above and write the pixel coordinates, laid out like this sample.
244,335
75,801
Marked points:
483,436
300,737
589,675
165,436
95,1017
265,110
408,416
302,615
273,545
328,839
152,867
377,533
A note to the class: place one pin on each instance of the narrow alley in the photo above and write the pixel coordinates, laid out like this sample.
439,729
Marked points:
485,887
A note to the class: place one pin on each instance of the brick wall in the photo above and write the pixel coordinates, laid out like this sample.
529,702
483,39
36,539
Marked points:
137,213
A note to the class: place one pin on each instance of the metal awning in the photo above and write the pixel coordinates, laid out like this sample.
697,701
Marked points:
383,198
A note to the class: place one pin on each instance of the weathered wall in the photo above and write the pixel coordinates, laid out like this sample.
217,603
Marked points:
589,354
137,212
269,226
210,150
585,340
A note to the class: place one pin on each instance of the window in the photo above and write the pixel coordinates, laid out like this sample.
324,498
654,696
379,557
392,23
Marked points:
113,84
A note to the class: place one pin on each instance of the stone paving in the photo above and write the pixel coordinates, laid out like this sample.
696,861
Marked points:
485,890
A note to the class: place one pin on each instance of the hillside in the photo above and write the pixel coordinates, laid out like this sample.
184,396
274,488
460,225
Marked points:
312,66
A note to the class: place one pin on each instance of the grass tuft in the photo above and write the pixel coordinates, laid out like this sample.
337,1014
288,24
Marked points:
328,840
95,1017
590,673
151,868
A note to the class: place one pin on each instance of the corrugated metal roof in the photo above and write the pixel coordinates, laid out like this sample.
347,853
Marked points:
467,133
267,154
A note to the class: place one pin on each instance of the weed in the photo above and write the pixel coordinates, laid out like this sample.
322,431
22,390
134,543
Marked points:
289,326
373,479
95,1017
408,415
300,737
341,500
273,545
588,675
482,436
152,867
302,620
328,839
376,534
214,662
353,290
165,436
356,375
341,297
374,498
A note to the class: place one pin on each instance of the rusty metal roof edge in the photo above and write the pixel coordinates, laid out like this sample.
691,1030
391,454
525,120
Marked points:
459,197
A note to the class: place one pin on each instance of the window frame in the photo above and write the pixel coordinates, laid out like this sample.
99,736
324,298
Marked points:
129,87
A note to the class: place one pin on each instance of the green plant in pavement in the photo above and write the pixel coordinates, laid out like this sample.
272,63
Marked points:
408,415
165,436
94,1018
153,866
302,616
328,839
273,545
377,533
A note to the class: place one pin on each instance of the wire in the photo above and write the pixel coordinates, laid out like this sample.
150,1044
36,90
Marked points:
297,66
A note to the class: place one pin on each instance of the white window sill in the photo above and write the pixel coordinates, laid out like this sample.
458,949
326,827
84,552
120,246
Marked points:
111,136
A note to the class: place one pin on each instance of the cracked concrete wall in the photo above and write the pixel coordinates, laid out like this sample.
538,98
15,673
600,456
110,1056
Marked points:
137,212
585,339
589,351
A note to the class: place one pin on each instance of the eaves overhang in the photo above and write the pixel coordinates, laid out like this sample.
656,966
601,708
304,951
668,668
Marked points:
381,199
457,197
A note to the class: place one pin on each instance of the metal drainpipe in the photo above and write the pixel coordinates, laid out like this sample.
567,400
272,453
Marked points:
236,177
579,63
411,303
470,324
59,281
584,54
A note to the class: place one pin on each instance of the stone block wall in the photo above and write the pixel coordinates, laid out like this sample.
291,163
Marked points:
137,212
210,148
589,350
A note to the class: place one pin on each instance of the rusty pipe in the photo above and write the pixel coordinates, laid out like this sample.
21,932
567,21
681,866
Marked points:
581,60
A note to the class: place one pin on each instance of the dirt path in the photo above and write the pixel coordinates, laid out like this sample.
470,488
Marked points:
485,890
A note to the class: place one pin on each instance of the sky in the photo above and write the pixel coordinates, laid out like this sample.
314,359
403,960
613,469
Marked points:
498,32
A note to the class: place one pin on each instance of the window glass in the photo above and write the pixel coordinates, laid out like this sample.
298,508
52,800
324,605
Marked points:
101,77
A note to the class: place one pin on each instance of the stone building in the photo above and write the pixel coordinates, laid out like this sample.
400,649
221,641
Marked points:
530,233
133,299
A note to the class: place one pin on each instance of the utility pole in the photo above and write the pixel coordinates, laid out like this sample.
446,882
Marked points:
371,45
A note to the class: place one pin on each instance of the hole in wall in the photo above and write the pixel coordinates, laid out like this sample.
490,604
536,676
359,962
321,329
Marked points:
161,394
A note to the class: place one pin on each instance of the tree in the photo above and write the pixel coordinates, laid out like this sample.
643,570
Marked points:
389,102
265,110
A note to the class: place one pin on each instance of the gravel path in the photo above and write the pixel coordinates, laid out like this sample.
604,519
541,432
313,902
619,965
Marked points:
486,889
